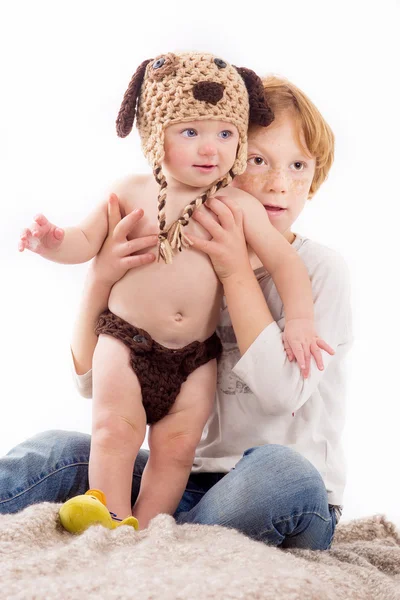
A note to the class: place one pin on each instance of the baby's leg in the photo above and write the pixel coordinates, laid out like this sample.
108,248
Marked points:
119,424
172,442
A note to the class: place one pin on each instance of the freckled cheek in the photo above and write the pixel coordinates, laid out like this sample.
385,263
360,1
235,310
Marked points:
250,183
253,183
300,186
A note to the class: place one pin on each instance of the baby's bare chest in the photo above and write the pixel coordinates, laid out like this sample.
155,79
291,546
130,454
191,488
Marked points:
159,291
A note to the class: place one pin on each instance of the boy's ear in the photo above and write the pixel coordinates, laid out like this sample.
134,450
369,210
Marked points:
126,115
260,112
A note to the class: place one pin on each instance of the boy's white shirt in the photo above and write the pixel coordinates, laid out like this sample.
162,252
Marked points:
258,393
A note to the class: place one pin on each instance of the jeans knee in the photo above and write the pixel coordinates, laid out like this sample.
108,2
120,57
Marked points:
62,443
288,465
269,453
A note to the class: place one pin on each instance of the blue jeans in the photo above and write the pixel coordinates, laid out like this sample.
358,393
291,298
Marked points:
273,494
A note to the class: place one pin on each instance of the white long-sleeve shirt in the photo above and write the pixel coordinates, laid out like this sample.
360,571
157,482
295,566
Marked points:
262,398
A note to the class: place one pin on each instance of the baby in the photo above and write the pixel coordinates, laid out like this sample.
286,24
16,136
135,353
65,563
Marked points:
155,361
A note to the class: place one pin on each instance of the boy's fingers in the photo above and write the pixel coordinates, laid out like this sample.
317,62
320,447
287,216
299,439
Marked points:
136,261
234,207
141,243
125,225
199,244
222,211
114,212
208,223
324,346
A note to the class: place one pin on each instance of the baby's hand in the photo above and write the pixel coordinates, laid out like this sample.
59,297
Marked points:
42,235
301,341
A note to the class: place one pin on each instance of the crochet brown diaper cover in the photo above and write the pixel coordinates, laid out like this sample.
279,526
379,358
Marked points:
160,370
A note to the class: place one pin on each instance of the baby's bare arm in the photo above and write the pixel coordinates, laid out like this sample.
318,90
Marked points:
75,248
71,245
278,257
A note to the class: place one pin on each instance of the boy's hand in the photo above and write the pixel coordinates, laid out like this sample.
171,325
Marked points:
227,249
301,341
41,236
117,256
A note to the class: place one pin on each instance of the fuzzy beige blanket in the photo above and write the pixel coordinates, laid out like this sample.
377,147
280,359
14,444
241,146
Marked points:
38,560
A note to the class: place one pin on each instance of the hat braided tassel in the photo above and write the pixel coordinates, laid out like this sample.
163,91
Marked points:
173,237
164,249
177,238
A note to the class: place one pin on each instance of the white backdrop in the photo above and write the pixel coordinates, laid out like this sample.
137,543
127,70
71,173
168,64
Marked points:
65,68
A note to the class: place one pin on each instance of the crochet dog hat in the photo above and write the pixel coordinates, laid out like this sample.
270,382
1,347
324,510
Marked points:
174,88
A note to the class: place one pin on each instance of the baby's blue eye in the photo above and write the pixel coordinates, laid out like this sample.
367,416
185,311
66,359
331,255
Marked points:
225,134
189,132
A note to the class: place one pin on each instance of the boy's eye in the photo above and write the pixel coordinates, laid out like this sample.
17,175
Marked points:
225,134
189,132
256,160
298,165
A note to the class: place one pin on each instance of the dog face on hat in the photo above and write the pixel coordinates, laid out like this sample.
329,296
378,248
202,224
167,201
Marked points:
175,88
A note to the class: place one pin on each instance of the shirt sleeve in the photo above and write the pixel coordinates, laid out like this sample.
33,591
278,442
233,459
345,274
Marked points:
83,383
277,383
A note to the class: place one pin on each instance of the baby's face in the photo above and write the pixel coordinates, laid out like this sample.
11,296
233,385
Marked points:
197,153
279,171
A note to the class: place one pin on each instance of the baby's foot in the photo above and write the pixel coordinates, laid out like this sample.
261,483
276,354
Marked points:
131,521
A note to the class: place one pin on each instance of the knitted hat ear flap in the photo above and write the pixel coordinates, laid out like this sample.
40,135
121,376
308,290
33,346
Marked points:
260,112
127,112
153,147
240,163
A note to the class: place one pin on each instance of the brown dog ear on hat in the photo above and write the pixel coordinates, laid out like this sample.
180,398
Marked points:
127,112
260,112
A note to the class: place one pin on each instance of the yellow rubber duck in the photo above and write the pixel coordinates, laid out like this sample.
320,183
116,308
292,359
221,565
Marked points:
79,513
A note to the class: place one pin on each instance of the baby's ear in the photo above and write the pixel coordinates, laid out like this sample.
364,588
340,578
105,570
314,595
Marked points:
260,112
126,115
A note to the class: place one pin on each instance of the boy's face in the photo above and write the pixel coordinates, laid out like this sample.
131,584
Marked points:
279,172
197,153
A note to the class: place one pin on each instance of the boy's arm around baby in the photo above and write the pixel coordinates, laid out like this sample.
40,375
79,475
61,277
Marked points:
242,216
